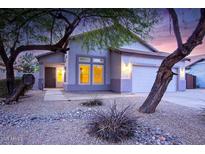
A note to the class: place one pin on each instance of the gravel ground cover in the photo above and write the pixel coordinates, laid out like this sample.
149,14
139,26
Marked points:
34,121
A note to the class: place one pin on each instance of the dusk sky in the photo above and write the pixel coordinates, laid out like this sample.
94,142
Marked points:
164,41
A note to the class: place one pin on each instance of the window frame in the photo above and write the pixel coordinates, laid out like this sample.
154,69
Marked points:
90,59
91,63
99,58
103,74
79,81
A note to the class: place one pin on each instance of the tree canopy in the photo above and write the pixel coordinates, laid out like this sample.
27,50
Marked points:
50,29
28,63
21,27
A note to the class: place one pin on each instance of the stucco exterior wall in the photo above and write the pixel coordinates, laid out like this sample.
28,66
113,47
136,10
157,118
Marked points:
136,46
76,50
53,60
127,59
121,70
115,72
113,77
117,67
199,71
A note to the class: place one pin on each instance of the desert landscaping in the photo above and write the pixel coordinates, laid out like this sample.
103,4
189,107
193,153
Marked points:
36,121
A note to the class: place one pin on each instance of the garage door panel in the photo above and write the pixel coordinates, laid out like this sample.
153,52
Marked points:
143,78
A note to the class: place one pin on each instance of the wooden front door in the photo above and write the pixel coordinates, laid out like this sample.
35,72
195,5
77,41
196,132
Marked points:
50,77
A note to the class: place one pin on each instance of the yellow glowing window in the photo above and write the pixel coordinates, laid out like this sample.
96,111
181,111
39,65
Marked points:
84,74
60,74
98,74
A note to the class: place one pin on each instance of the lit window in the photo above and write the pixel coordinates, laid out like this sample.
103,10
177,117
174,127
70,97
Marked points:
98,74
84,75
98,60
84,59
60,74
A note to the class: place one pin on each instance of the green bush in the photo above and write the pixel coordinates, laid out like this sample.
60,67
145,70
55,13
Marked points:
3,86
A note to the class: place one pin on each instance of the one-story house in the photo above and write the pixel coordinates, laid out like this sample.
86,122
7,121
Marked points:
197,68
130,68
17,71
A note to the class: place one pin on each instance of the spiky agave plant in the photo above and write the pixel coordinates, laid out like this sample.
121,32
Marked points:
114,125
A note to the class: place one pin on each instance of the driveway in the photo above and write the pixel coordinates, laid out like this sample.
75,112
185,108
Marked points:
194,98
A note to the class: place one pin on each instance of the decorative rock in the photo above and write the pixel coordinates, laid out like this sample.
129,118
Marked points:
162,138
143,135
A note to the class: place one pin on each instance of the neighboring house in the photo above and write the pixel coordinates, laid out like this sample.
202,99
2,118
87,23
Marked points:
130,68
197,68
17,72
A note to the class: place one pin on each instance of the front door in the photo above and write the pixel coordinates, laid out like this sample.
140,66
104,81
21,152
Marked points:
50,77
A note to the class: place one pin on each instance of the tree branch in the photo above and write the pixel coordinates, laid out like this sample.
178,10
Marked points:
60,46
60,16
38,14
197,36
23,48
51,31
3,52
175,23
68,32
195,39
16,40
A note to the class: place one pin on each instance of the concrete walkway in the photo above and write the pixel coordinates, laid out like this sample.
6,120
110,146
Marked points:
54,95
190,98
96,95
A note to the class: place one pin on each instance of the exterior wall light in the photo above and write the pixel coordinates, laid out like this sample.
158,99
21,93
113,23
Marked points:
126,70
182,73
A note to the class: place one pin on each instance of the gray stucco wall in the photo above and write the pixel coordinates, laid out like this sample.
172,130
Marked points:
199,71
53,59
136,46
153,61
115,72
121,82
118,83
114,78
76,50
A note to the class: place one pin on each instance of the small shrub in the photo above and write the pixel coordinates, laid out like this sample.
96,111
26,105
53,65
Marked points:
95,102
113,126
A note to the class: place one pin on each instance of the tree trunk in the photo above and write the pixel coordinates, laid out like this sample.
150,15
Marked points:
27,81
165,74
163,78
10,78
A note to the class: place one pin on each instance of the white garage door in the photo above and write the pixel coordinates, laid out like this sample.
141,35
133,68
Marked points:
143,78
